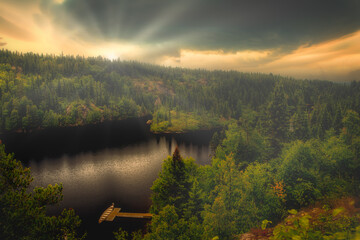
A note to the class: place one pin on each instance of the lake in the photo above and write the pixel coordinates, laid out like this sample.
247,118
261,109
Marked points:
100,164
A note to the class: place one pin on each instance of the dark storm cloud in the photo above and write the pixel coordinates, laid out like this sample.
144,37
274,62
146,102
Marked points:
209,24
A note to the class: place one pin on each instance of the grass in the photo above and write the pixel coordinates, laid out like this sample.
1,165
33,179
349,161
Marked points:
183,122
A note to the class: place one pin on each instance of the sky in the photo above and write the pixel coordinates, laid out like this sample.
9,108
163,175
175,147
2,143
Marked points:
312,39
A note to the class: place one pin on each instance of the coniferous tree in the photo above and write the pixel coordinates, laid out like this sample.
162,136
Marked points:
173,185
278,117
23,212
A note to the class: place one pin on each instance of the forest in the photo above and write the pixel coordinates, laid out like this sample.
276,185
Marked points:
281,145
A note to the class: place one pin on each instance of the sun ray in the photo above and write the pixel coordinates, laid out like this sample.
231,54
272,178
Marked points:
163,19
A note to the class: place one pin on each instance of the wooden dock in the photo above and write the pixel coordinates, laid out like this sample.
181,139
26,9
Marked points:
110,213
134,215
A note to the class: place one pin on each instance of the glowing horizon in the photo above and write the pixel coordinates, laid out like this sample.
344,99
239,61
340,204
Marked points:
178,35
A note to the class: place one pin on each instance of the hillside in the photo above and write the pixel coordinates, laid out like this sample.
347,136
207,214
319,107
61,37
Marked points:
40,91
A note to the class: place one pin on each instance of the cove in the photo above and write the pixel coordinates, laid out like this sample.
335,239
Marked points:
100,164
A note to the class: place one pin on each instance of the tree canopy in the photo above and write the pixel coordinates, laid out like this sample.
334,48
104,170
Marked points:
23,209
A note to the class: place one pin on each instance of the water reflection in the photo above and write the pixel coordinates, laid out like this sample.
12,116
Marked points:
100,164
123,175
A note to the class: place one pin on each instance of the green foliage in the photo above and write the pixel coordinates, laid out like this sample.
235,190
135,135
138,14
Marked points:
177,201
351,124
168,225
264,224
236,193
299,171
219,221
248,196
351,135
278,116
326,224
121,234
297,229
173,185
87,90
137,235
23,212
195,204
179,121
247,145
258,197
51,119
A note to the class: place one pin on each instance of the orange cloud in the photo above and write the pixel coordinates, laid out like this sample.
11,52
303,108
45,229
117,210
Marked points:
29,29
11,29
330,60
337,60
239,60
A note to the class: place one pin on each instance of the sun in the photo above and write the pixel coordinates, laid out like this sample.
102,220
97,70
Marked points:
111,56
59,1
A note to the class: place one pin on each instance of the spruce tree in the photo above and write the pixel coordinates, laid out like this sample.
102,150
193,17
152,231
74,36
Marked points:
173,185
23,212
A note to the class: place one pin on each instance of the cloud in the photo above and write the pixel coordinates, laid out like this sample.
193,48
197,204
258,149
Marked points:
2,43
306,39
231,25
241,60
336,60
333,60
59,1
354,75
11,29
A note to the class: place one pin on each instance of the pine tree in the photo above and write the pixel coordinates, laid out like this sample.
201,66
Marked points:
278,116
23,212
173,185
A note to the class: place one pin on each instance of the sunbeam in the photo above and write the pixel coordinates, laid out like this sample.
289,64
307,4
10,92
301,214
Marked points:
165,18
193,34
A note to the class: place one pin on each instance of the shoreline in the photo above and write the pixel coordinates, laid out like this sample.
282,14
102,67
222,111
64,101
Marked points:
145,118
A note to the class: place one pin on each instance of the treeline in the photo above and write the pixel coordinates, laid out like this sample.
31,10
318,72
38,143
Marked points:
39,91
245,187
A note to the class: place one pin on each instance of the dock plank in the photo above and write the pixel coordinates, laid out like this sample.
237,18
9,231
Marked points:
113,214
106,213
134,215
110,213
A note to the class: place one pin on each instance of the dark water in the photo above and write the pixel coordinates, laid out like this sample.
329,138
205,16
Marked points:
97,165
